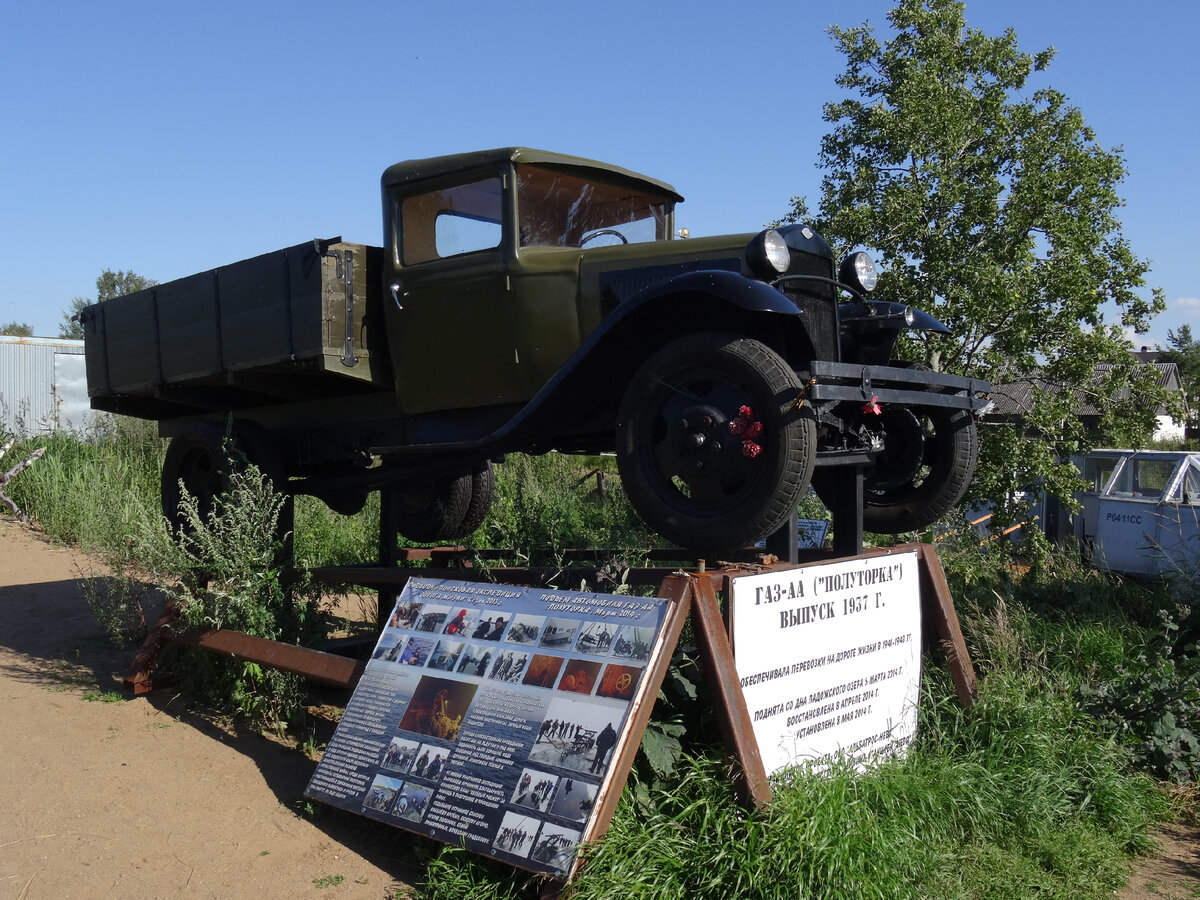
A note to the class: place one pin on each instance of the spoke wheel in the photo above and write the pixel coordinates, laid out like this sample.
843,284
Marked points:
692,477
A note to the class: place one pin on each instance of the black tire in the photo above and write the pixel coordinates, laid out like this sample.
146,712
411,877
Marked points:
432,511
202,458
483,490
195,456
925,468
685,471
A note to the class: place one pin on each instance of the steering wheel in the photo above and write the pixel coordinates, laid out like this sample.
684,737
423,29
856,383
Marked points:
599,231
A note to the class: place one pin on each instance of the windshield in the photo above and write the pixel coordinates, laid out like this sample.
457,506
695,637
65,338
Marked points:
557,209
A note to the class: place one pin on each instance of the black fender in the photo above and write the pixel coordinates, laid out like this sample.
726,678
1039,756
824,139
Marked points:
869,329
582,397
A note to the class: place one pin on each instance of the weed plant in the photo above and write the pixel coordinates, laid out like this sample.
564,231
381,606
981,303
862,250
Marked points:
223,571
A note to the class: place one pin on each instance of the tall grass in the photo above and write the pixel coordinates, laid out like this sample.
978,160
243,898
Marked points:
1040,790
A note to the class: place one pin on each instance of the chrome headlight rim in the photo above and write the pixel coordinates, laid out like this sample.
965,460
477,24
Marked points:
768,254
858,271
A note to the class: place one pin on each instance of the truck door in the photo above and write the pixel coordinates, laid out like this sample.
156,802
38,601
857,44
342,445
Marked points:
447,319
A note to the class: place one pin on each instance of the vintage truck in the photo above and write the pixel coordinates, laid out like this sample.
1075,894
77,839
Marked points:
526,301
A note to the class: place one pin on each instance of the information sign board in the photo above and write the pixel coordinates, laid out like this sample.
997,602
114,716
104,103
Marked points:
829,658
490,716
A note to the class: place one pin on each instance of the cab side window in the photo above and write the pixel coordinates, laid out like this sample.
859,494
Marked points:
450,220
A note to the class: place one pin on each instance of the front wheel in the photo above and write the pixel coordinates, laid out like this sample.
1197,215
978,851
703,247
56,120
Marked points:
713,445
924,469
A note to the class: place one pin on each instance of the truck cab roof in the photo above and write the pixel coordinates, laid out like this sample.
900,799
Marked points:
441,166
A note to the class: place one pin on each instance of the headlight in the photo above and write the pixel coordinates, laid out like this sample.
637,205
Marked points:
768,253
858,271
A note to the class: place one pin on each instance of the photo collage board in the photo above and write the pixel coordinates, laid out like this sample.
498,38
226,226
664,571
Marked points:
488,715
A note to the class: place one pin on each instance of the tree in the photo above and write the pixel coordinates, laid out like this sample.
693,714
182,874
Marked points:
1184,351
17,329
994,209
109,284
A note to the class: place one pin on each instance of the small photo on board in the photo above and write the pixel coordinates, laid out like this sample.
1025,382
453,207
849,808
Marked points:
619,682
475,660
400,755
431,762
382,793
407,651
437,707
461,623
405,614
515,834
579,676
559,634
510,665
573,800
577,735
633,642
525,629
489,629
411,802
555,846
445,655
534,789
432,618
595,638
543,670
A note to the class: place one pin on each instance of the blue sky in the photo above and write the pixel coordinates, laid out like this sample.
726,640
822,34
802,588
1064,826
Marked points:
168,138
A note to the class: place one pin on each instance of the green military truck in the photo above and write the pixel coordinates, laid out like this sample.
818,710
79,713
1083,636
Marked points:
526,301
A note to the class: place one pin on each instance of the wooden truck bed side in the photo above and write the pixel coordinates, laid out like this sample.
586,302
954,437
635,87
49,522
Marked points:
268,329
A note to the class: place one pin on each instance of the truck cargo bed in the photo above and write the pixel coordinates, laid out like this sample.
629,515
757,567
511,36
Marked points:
296,324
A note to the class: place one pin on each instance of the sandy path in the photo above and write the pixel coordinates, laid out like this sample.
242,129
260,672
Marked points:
139,798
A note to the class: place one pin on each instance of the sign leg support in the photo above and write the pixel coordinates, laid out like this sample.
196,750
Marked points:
729,704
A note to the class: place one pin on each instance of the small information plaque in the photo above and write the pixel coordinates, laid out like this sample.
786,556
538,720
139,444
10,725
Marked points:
488,716
829,658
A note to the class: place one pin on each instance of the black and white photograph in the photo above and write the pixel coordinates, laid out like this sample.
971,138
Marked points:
559,633
595,638
577,735
534,788
525,629
633,643
516,833
509,666
555,846
573,800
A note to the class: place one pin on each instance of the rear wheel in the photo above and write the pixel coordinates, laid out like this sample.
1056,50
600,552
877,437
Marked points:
713,448
452,506
202,458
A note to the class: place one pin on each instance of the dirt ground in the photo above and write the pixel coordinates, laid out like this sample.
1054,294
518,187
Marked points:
140,798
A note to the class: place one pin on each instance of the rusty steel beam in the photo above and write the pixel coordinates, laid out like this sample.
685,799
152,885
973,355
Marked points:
324,668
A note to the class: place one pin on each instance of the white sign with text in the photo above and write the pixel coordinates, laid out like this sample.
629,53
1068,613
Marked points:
829,658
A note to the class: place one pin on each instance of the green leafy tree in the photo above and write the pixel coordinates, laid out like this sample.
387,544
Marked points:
995,209
1184,351
17,329
109,284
